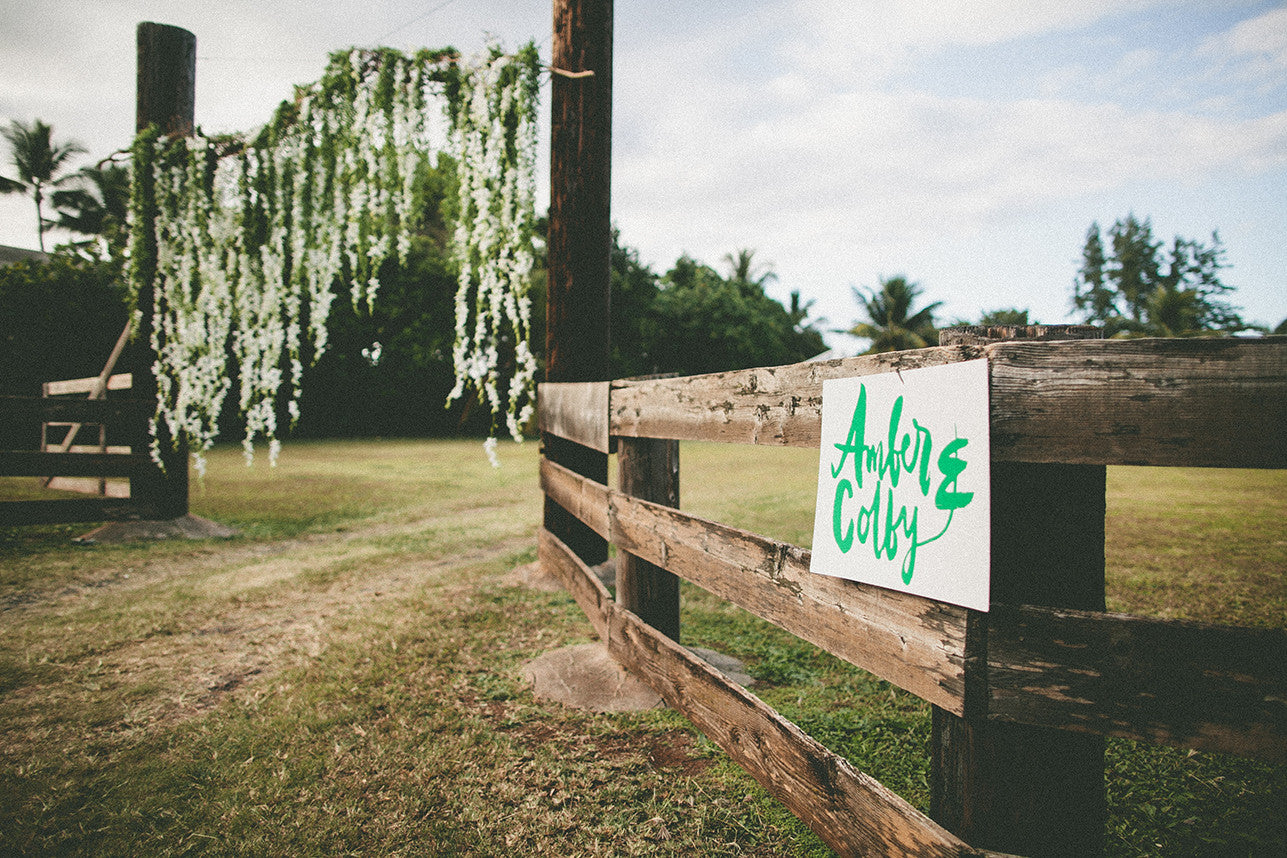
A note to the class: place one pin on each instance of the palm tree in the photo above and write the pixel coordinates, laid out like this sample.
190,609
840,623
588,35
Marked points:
742,269
891,325
1173,312
100,207
38,161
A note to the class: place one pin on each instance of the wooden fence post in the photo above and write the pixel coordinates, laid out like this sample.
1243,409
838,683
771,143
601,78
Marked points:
648,469
166,97
580,237
1009,787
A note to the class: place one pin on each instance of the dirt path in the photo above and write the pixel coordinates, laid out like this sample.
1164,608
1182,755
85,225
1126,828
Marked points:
156,639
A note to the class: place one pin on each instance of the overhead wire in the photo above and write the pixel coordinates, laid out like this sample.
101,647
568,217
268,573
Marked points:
415,21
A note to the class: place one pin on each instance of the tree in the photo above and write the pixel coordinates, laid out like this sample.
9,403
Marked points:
891,324
1138,289
99,208
38,161
692,320
1090,292
742,269
1008,316
635,326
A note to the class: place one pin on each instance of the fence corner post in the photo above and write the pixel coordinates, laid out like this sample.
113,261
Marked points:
579,246
648,468
1011,787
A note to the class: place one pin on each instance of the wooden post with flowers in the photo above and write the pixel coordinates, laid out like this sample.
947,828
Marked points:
166,98
580,236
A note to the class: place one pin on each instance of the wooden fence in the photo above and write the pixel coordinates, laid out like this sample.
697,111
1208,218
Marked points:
1192,403
165,97
94,388
120,454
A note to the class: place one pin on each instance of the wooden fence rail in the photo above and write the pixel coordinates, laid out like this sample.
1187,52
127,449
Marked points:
150,494
1214,403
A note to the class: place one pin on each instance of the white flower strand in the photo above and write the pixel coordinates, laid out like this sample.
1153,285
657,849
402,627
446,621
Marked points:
494,141
249,245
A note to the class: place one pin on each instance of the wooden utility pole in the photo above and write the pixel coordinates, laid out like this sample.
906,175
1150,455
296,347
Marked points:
580,235
1010,787
166,98
167,79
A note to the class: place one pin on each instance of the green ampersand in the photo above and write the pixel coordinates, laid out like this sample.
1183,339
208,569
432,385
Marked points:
951,467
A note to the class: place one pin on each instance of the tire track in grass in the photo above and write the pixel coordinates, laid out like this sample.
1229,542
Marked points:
131,652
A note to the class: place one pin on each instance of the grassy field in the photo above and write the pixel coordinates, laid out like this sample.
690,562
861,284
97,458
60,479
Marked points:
342,678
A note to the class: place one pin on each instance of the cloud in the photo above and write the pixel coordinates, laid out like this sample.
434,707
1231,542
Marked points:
899,163
874,40
836,178
1263,36
1256,49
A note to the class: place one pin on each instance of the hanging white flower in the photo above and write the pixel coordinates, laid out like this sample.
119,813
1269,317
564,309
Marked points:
247,243
494,143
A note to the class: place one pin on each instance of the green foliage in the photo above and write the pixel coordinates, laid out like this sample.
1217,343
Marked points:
99,209
387,372
692,320
635,327
493,116
704,323
1008,316
1134,288
742,268
58,319
238,243
891,323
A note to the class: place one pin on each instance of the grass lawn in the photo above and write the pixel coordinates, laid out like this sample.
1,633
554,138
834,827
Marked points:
342,678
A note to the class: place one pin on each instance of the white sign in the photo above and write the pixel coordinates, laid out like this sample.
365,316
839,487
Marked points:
904,494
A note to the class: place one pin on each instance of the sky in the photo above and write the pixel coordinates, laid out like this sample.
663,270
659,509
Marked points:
967,145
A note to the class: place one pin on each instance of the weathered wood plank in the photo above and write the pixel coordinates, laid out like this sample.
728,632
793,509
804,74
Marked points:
772,405
577,411
853,812
577,578
917,644
1166,681
583,498
120,381
73,510
90,486
30,463
40,409
1197,402
1171,682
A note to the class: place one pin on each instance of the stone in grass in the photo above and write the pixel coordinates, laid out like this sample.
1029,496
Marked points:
183,527
585,676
